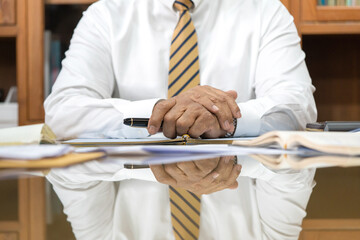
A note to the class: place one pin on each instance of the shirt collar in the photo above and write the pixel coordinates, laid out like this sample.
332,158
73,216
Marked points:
170,3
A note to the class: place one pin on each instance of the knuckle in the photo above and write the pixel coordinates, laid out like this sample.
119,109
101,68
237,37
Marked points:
194,134
167,168
168,118
222,98
207,116
208,169
161,105
196,96
181,123
213,99
160,179
197,187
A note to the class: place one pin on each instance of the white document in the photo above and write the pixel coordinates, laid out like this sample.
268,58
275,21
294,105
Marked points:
31,152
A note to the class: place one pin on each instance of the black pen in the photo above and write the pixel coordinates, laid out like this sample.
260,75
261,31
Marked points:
137,122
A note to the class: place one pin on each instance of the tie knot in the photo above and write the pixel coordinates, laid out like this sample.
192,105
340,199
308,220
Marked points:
183,5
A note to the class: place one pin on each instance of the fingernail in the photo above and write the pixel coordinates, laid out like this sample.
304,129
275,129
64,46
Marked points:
215,175
152,129
227,125
238,114
238,167
215,108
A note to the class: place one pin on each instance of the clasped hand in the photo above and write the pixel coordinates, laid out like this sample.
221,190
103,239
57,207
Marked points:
202,111
200,177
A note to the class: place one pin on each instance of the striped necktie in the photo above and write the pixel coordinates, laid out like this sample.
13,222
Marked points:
183,75
184,70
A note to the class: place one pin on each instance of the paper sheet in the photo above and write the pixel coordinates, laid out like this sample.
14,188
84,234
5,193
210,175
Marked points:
31,152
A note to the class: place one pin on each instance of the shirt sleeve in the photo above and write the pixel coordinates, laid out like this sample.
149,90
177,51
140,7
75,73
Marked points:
282,85
81,103
88,193
282,197
282,203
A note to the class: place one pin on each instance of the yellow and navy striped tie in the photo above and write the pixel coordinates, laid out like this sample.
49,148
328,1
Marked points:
184,70
184,73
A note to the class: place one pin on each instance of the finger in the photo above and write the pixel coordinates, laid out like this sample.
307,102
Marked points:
162,176
175,172
207,165
187,119
224,116
189,169
209,179
202,124
224,113
206,102
157,116
226,164
232,93
229,183
232,180
170,120
229,97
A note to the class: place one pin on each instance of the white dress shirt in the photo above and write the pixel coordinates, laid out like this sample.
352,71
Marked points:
117,66
105,201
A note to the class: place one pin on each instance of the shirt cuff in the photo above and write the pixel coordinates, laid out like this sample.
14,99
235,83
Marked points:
249,124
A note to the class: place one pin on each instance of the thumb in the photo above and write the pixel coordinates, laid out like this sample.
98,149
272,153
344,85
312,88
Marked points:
232,93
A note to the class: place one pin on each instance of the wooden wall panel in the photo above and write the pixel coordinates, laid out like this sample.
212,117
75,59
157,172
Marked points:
35,28
21,60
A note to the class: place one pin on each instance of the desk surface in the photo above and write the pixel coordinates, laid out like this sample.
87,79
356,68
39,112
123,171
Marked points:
279,197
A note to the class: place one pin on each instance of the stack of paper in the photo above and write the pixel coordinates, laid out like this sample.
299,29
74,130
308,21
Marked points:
42,156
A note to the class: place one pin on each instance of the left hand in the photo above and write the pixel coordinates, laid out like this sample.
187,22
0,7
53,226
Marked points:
200,177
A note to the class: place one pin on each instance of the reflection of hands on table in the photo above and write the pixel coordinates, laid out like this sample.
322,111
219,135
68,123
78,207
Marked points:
201,111
200,177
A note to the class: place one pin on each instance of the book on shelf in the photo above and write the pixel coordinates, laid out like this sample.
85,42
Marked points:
52,60
347,3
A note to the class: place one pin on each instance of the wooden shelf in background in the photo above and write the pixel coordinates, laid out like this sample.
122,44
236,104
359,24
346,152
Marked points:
330,28
310,11
69,1
8,31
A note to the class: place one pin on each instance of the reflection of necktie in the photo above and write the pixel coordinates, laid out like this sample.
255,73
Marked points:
183,75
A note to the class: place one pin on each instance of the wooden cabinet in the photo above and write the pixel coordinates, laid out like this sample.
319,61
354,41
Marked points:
7,12
311,11
315,19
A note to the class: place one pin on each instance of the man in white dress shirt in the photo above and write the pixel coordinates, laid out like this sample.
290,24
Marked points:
117,67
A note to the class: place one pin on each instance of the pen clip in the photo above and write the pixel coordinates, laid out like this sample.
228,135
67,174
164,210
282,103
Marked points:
185,137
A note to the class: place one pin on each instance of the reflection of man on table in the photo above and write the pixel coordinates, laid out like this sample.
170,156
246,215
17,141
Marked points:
105,201
244,54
